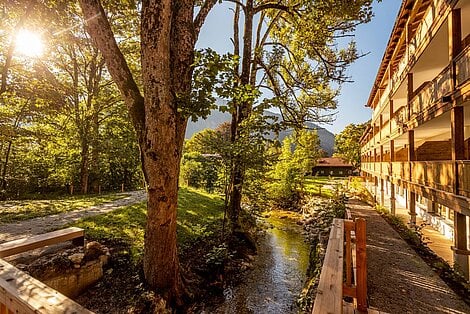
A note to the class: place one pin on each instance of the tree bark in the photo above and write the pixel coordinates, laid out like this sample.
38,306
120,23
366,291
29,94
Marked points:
84,164
168,36
243,111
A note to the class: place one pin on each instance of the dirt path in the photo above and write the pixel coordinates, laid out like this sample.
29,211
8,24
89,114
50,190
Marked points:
16,230
399,281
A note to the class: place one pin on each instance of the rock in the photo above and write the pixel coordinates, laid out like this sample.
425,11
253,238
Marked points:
250,258
76,258
94,250
21,266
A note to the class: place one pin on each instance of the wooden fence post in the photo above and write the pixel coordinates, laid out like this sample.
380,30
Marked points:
361,264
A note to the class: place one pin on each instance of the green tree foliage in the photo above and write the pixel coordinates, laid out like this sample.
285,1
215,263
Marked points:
347,145
298,155
295,51
62,122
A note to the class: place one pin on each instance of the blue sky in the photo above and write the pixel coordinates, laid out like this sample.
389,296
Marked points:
371,38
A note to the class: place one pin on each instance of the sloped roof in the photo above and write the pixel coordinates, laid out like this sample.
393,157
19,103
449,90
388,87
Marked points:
333,162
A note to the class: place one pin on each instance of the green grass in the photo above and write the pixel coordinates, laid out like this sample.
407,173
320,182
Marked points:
321,185
13,211
199,215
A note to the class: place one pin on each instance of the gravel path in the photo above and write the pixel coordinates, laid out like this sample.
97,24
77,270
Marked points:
399,281
16,230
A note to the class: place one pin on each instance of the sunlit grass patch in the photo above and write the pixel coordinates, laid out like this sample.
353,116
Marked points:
323,186
13,211
199,215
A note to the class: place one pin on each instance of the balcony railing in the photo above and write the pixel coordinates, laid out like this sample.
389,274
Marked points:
400,117
463,169
435,174
462,67
439,175
422,34
432,92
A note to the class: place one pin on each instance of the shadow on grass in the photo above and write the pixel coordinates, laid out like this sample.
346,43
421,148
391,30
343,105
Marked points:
14,211
199,215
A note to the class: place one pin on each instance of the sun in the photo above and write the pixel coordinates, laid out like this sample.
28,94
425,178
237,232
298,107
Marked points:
29,43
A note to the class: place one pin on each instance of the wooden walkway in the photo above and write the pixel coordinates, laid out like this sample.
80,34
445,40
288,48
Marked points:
399,281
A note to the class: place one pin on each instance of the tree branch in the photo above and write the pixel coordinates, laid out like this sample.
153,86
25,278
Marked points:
100,31
202,15
271,5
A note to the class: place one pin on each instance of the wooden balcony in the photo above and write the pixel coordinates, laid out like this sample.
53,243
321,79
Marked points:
432,93
426,98
418,42
462,67
439,175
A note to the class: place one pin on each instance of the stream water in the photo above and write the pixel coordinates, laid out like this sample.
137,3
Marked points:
278,273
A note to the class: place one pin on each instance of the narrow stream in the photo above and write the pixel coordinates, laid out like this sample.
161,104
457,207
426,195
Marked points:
278,273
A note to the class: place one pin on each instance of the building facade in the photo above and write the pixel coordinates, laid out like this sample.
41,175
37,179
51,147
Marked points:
416,149
332,166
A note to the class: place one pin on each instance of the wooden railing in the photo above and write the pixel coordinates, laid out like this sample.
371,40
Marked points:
20,293
432,92
421,36
462,67
439,175
345,253
436,174
463,169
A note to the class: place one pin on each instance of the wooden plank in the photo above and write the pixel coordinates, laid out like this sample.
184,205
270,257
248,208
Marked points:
361,279
348,308
37,241
329,298
28,295
349,291
348,228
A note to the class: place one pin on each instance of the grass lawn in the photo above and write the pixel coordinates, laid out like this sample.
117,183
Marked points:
13,211
199,215
323,186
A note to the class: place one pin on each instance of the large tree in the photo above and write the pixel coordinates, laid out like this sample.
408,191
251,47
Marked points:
168,33
296,50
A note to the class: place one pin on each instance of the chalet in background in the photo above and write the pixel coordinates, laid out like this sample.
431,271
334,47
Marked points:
332,166
416,151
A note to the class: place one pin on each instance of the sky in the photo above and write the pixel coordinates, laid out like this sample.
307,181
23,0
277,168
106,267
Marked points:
371,38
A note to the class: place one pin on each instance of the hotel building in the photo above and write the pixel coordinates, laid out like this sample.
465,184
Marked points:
416,150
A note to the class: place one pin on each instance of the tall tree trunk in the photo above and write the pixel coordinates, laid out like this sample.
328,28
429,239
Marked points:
168,36
167,52
243,111
84,165
95,150
5,167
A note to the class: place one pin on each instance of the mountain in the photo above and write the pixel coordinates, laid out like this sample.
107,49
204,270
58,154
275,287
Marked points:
327,139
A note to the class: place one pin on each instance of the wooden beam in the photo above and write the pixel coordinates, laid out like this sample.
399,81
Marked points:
457,131
37,241
24,294
411,146
409,94
361,280
329,298
460,243
455,33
